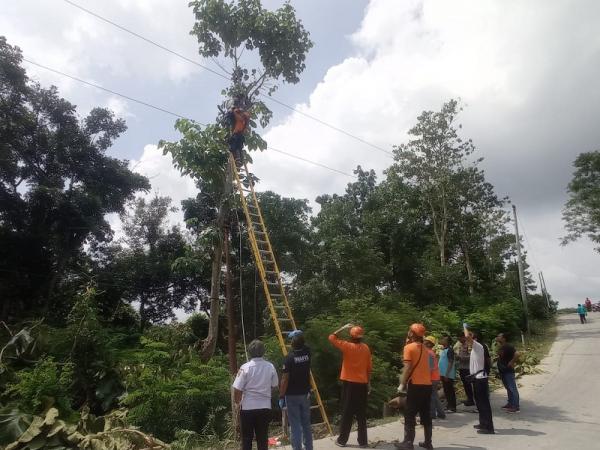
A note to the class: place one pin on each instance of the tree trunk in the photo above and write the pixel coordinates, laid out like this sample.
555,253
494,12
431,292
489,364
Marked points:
231,328
210,343
143,318
469,268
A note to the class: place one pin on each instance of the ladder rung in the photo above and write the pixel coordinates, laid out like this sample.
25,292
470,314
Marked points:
315,407
279,306
284,319
260,241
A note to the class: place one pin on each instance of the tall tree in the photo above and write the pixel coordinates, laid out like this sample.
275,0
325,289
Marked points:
429,162
582,211
148,258
275,44
56,186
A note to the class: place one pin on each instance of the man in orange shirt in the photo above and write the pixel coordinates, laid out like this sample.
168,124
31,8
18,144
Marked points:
416,377
238,120
355,376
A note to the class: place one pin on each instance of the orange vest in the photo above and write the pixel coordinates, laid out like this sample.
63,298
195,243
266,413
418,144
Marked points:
241,119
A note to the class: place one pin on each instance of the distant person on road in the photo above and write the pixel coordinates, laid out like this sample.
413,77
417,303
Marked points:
416,379
448,372
252,389
507,358
480,364
437,409
355,376
294,391
582,313
463,353
588,304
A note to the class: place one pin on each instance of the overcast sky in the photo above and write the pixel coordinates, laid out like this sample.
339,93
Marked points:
527,72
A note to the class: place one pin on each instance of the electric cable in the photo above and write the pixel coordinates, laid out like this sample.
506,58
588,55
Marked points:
180,116
191,61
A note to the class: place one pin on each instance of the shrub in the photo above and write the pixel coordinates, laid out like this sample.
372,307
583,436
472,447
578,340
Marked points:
46,385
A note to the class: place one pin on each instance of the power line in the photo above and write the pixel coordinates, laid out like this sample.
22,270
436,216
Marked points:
166,111
97,86
191,61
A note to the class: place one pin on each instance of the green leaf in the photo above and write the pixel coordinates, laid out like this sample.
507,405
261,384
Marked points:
13,424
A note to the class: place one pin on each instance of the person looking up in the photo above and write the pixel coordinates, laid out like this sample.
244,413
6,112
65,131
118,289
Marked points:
355,376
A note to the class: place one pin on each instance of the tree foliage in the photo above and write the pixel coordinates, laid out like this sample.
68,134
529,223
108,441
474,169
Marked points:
56,187
582,211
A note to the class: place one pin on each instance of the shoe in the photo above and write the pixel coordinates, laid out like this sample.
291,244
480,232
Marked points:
441,417
404,445
506,406
512,410
339,444
477,427
468,403
363,446
450,411
426,445
485,431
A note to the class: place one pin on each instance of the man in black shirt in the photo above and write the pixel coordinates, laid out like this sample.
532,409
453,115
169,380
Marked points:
507,358
295,391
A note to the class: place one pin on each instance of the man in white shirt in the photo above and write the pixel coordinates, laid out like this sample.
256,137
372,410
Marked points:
479,371
252,388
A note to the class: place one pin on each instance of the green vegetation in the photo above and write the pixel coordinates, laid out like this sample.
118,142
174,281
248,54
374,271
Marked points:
88,348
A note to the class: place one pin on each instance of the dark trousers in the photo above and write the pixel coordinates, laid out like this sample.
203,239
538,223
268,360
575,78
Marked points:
255,422
354,404
481,390
448,385
582,318
418,401
236,144
464,373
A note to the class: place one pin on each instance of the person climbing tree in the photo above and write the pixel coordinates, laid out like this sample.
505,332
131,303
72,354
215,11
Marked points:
238,119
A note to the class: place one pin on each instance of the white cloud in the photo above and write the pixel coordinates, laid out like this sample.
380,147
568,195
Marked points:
166,181
522,68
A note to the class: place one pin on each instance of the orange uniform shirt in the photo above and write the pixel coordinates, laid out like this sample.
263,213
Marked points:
357,363
241,120
417,355
435,370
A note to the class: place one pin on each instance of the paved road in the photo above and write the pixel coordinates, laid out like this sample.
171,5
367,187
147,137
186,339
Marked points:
560,408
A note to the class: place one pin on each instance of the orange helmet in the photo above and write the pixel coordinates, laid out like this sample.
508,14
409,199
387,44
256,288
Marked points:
418,329
357,332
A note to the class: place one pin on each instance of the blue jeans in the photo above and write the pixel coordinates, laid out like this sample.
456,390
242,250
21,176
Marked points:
298,409
510,383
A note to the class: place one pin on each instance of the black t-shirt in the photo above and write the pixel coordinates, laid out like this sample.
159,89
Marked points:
297,365
505,355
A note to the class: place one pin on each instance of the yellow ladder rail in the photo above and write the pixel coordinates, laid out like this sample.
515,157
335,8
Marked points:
252,203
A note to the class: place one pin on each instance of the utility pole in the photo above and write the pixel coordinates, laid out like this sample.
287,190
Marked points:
545,290
521,272
542,290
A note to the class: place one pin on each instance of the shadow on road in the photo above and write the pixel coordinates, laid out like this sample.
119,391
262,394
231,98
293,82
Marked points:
390,446
519,432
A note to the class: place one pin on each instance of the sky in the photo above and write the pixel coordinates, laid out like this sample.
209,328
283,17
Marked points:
526,72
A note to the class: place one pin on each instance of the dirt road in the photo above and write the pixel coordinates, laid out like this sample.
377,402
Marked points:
560,408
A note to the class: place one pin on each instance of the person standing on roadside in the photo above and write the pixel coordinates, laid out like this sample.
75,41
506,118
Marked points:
448,372
355,376
463,352
252,391
507,358
480,364
416,379
294,391
582,313
437,409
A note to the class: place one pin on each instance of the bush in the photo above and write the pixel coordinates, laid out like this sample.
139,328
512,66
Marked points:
166,394
44,386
